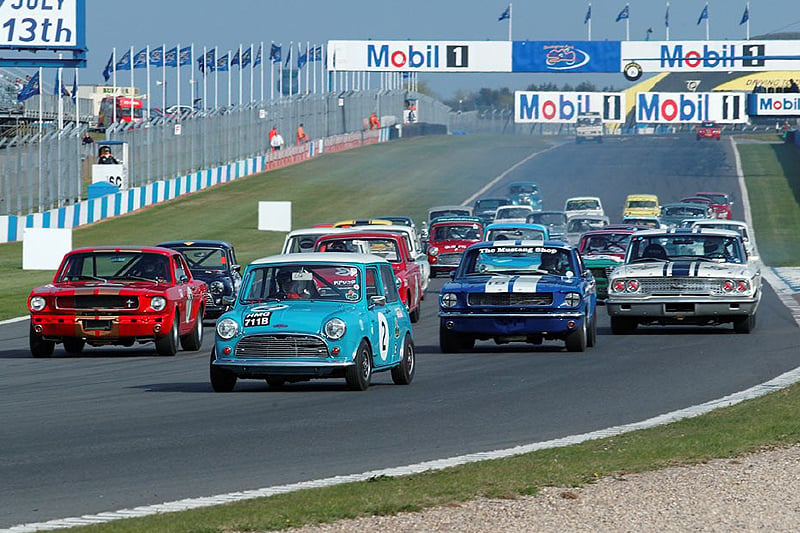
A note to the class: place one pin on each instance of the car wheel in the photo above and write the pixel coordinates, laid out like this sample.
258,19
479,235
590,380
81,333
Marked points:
414,315
39,346
359,374
221,380
576,340
745,325
168,344
74,345
622,325
403,373
194,340
591,335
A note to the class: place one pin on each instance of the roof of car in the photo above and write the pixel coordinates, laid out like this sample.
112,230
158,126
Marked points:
363,234
642,197
454,219
712,221
320,257
523,242
199,243
687,231
317,230
126,248
614,231
514,225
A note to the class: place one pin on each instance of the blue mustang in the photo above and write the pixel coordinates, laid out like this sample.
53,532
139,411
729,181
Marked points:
314,315
518,291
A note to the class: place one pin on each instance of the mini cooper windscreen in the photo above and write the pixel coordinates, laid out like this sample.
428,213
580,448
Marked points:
113,265
457,232
517,260
693,247
328,282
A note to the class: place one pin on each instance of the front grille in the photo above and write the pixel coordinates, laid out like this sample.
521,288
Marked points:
449,259
209,298
281,346
677,286
98,302
510,298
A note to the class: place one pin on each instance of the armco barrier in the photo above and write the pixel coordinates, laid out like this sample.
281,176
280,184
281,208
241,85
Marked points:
129,200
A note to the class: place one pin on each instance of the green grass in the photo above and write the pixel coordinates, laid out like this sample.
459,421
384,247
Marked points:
769,421
772,175
402,178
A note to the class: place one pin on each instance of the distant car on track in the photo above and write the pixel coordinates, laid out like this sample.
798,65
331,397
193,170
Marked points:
708,130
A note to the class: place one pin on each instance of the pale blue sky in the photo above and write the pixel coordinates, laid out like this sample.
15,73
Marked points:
112,23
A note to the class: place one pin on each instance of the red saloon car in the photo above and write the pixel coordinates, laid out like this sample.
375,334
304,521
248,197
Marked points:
109,295
708,130
721,203
448,237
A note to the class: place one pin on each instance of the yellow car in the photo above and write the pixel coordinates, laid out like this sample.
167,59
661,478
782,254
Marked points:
641,205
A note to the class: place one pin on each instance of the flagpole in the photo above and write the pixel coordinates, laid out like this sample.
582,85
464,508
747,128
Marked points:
271,74
252,58
509,21
707,23
178,78
666,20
216,77
114,82
307,72
164,75
261,53
132,93
748,20
589,22
240,74
280,76
628,24
147,63
205,72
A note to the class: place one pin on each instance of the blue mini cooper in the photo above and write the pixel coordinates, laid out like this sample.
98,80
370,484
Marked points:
518,291
314,315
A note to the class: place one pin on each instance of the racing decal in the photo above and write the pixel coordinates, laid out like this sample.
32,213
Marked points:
260,318
525,283
269,307
351,295
681,269
696,269
383,336
497,284
189,298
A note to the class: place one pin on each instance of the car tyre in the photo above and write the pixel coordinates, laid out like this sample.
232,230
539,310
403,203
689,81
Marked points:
403,373
194,340
74,345
39,346
168,344
414,315
576,340
621,325
358,375
221,379
591,336
745,325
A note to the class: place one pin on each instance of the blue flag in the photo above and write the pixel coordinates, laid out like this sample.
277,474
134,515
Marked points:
275,53
257,60
207,62
703,15
302,60
57,89
288,58
588,16
505,14
246,56
107,70
75,88
745,15
235,58
125,62
185,56
222,63
31,88
171,57
140,59
316,53
157,57
647,35
666,18
625,13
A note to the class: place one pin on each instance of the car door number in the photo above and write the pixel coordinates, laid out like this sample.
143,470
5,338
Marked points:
383,334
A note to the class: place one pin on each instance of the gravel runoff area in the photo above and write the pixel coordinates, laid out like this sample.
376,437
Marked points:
757,492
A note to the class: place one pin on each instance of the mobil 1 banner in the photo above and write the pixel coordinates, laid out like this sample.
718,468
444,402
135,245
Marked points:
773,104
683,108
419,56
565,56
708,56
564,107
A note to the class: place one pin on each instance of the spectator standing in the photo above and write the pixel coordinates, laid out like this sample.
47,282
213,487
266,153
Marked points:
374,121
793,88
276,141
87,139
301,135
272,134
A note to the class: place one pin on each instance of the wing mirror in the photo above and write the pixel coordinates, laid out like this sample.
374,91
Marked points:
379,300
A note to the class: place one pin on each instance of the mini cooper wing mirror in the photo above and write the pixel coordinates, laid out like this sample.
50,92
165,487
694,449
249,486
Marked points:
379,300
229,300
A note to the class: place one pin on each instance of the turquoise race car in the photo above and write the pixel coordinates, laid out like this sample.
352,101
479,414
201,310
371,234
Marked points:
314,315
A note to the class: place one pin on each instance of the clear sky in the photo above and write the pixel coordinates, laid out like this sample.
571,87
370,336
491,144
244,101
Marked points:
112,23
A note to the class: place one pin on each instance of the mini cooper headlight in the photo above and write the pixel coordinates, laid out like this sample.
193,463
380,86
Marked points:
334,328
227,328
38,303
433,251
572,299
217,287
158,303
449,299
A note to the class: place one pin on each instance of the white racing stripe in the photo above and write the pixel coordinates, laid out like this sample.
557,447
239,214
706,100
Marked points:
525,283
497,284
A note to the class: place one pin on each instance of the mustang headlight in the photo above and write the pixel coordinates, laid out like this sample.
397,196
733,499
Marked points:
158,303
334,328
572,299
217,287
227,328
38,303
434,251
449,299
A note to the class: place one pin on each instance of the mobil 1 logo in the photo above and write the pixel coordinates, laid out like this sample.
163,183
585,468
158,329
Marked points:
457,56
753,55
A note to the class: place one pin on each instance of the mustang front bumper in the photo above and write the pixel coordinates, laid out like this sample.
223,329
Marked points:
103,326
493,324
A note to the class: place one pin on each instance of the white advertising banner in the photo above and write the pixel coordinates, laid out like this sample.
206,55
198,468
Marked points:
419,56
564,107
682,108
775,104
711,56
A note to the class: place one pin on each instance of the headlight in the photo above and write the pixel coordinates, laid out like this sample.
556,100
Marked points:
632,285
434,251
572,299
227,328
158,303
334,328
38,303
449,299
217,287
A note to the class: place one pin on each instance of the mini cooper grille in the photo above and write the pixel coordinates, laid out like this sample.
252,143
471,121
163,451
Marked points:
98,301
511,298
281,346
674,286
449,259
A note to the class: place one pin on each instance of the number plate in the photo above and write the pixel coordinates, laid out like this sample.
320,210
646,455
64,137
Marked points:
97,324
257,319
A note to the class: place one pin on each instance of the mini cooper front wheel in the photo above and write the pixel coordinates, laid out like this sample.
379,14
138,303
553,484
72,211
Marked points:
221,379
358,375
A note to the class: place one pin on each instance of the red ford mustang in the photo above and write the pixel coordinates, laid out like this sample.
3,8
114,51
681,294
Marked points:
118,296
708,130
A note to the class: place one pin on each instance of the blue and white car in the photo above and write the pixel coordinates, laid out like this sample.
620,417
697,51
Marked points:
314,315
518,291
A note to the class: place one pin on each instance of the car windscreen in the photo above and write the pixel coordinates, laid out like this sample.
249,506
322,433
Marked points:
548,219
523,189
578,205
686,247
204,258
456,232
513,212
607,243
580,225
517,260
316,281
302,243
642,203
449,213
687,211
514,234
113,265
489,205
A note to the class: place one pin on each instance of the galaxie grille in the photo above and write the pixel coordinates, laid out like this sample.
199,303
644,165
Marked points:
449,259
511,298
676,286
98,301
281,346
